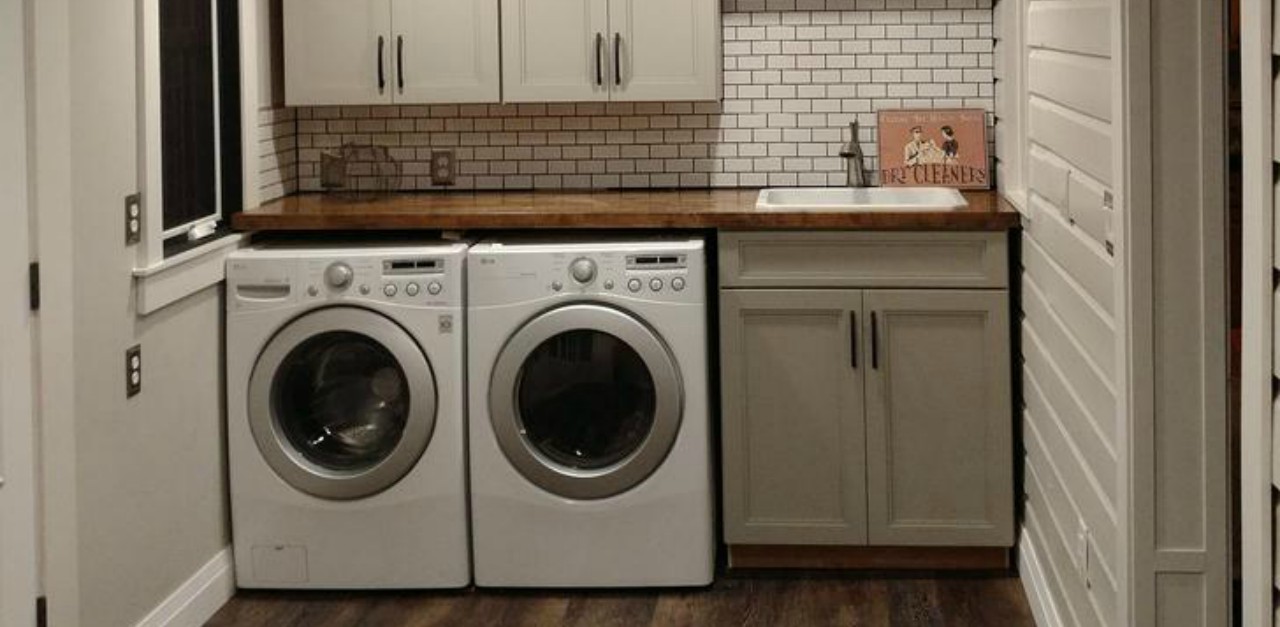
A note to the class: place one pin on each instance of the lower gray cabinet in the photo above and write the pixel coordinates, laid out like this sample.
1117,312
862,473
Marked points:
793,430
939,419
866,417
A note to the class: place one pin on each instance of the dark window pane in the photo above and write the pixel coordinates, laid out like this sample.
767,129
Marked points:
586,400
187,110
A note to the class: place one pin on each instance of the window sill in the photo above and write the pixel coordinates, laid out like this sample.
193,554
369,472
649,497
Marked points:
184,274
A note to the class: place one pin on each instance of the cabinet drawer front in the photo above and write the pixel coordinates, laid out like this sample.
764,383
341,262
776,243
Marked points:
864,259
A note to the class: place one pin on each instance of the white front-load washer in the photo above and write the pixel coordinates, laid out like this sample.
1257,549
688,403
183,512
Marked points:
588,416
346,434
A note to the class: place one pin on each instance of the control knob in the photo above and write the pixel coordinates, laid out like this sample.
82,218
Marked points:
583,270
338,275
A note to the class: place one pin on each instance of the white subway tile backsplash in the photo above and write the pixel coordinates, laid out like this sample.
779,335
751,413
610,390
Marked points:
797,72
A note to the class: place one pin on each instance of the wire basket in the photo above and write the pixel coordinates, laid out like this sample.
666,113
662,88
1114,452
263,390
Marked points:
360,172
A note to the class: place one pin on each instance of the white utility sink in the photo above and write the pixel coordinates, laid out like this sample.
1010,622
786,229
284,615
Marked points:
850,199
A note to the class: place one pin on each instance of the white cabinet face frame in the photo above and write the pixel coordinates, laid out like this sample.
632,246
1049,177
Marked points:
445,51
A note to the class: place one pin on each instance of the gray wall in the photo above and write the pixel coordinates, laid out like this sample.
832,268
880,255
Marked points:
136,486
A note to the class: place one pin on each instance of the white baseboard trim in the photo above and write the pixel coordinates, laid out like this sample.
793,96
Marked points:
1034,583
199,597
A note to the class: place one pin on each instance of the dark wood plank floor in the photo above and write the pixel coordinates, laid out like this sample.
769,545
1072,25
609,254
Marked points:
953,601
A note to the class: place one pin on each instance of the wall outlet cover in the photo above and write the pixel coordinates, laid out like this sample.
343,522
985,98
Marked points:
133,371
444,167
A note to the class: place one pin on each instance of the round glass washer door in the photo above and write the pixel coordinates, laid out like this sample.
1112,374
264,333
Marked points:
586,401
342,403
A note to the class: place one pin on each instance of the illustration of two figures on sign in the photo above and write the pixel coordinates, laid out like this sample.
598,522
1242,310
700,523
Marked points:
923,150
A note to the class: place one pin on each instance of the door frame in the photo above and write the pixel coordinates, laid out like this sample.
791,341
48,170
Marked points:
1256,443
19,577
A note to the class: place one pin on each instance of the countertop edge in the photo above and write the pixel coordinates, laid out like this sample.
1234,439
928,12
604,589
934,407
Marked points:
1002,216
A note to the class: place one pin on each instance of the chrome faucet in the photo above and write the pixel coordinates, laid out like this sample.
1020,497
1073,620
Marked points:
855,162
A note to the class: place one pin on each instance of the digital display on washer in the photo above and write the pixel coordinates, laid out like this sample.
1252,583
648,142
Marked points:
656,262
400,267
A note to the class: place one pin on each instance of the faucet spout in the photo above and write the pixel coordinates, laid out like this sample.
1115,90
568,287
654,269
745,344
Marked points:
854,159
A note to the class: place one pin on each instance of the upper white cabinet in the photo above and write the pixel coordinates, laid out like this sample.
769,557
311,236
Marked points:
450,50
345,52
621,50
555,50
665,49
335,52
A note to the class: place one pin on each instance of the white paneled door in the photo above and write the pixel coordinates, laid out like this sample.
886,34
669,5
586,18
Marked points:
17,443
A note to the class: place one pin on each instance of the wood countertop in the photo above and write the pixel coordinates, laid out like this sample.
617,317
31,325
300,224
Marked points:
684,209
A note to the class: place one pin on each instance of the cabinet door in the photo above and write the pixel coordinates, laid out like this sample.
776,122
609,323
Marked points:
336,52
446,51
555,50
792,429
664,49
939,418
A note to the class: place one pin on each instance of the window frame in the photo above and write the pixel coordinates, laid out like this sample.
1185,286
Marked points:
157,242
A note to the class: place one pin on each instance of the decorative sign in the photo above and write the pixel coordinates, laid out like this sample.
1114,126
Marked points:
934,148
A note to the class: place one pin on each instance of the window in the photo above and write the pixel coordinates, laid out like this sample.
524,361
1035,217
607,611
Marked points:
191,101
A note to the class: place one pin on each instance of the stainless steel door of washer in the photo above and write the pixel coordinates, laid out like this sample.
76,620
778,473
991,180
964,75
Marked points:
586,401
342,403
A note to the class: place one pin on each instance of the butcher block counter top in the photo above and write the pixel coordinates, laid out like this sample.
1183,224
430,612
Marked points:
685,209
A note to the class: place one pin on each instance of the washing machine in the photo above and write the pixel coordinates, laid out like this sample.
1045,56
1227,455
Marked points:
346,432
588,414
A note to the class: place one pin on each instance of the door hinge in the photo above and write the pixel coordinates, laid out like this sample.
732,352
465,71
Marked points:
33,285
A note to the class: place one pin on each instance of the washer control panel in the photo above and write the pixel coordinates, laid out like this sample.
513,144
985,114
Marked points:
264,278
636,274
665,271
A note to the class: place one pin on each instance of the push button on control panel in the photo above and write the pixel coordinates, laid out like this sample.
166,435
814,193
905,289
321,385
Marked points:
678,284
412,289
656,285
390,290
634,285
434,288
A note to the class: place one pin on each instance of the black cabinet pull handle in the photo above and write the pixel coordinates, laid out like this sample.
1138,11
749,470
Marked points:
382,70
617,59
599,63
400,62
853,339
875,342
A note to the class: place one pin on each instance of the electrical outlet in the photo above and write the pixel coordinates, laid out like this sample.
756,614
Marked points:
133,371
444,167
132,219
